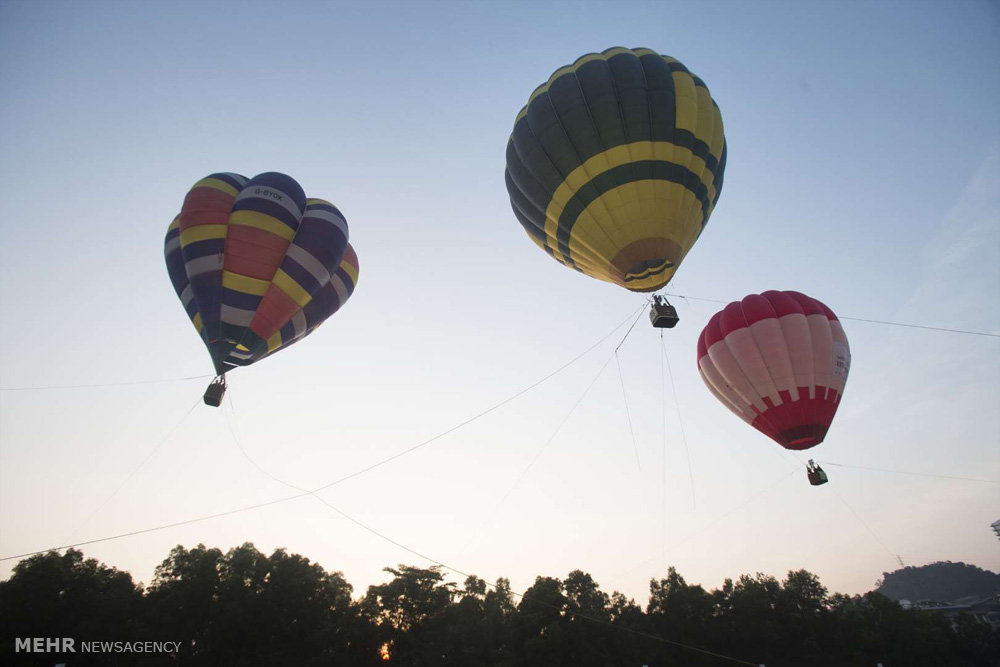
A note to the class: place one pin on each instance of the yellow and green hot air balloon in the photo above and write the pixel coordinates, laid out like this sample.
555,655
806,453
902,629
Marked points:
615,164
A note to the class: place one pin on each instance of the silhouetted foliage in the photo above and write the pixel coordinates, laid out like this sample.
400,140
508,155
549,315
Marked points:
245,608
943,582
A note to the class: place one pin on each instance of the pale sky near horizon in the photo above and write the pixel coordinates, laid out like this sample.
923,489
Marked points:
864,170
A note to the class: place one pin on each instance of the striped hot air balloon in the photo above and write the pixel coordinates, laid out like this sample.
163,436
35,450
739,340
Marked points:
615,165
257,265
779,360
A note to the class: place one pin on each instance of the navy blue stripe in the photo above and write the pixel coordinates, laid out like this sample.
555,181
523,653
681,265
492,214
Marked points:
236,299
300,275
203,248
237,181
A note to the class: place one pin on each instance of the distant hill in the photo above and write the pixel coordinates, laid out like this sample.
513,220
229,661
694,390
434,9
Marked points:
943,582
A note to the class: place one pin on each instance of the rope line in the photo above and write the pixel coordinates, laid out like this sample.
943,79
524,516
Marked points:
105,384
450,568
445,566
862,319
680,420
865,524
663,459
484,412
538,454
135,470
523,597
285,499
702,527
918,474
628,413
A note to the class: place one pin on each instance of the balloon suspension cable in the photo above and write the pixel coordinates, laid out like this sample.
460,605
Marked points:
356,473
621,378
680,419
862,319
628,413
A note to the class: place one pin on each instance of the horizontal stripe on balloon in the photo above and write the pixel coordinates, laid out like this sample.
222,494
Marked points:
244,284
263,222
202,233
287,285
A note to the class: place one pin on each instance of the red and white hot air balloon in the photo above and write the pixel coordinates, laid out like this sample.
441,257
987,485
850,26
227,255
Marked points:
779,360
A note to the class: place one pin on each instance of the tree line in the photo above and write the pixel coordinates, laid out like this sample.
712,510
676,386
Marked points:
245,608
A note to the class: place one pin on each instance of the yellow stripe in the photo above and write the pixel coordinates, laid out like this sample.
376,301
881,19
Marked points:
662,209
274,342
196,321
216,184
287,284
242,348
351,270
262,221
175,224
685,102
244,284
615,157
202,233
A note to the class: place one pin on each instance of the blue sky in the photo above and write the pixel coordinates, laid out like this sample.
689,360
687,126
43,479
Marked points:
864,170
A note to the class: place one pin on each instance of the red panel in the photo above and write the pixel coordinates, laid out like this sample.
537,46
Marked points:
713,331
732,318
800,424
829,313
809,305
206,206
351,257
254,252
782,303
757,308
275,309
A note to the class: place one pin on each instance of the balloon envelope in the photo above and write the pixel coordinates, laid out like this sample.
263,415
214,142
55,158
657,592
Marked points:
257,265
778,360
615,165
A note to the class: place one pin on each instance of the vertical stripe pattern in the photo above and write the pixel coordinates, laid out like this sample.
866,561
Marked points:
251,259
615,165
779,361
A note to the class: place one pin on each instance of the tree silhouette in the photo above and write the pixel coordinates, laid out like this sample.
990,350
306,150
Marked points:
243,608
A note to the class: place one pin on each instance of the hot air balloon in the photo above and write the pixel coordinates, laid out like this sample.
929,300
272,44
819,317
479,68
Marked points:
257,266
615,165
779,361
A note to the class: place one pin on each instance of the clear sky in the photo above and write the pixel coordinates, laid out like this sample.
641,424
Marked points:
864,170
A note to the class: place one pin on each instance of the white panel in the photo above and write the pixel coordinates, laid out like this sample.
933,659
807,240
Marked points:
822,345
798,339
771,342
747,355
236,316
270,194
199,265
732,374
841,356
725,394
309,263
298,323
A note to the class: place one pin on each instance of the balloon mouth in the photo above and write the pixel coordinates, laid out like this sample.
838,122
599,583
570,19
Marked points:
802,437
647,264
648,275
647,268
